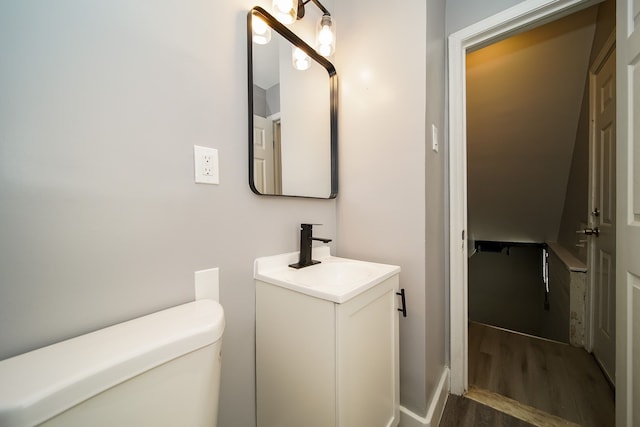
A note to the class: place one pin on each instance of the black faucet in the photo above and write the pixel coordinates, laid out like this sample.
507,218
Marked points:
306,231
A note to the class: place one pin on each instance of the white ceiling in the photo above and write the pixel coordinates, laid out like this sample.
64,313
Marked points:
524,96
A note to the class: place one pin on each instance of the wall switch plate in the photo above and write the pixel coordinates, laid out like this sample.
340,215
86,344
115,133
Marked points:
207,284
206,165
434,138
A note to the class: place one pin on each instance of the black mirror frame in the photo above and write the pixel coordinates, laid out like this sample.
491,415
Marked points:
333,101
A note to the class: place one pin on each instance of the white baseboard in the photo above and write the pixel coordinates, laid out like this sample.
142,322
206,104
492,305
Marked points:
435,409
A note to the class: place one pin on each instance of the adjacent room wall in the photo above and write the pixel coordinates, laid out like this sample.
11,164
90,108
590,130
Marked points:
462,13
506,289
100,220
519,153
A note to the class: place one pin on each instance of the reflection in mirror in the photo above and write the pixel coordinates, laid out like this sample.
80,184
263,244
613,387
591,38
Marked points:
292,113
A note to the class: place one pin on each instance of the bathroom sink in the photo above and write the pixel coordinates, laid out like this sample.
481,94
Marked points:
334,279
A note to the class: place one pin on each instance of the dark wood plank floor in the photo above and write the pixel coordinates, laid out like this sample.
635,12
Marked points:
463,412
556,378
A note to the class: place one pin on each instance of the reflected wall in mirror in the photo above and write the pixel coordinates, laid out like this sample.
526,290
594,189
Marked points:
292,113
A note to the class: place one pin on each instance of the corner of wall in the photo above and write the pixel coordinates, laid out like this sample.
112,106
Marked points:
435,407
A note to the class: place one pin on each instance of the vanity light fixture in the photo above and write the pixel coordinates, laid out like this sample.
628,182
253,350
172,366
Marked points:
288,11
261,33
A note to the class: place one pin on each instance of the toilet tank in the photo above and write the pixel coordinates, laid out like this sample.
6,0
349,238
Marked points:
162,369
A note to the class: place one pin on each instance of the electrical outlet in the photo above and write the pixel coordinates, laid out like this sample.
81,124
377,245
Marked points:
205,165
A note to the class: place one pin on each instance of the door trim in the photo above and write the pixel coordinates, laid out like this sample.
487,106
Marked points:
525,15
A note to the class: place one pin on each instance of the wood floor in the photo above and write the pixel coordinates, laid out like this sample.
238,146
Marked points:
462,412
555,378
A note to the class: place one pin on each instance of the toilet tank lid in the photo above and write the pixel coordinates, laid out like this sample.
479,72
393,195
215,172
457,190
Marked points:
38,385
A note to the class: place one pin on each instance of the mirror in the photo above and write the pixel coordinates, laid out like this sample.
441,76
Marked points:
292,113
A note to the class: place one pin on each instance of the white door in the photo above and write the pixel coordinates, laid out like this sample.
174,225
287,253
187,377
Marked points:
602,254
628,217
263,166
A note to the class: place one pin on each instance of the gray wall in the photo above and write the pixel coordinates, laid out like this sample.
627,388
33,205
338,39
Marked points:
462,13
518,168
99,217
100,220
391,207
436,213
576,202
259,101
266,102
558,322
507,290
273,99
576,205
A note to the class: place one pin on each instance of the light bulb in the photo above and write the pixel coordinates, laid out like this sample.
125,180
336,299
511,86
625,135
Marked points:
258,25
284,11
325,50
261,31
300,59
326,35
284,5
302,65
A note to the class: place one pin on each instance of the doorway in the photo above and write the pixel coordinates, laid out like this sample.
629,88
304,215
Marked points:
527,14
525,99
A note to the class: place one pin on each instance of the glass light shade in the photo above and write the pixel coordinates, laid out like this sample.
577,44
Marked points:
261,31
300,59
285,11
326,36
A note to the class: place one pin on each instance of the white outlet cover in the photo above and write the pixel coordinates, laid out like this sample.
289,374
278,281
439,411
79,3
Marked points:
206,172
207,284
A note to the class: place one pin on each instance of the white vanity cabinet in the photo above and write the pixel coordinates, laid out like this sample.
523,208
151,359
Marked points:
324,363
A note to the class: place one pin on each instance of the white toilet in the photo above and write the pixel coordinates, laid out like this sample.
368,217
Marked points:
158,370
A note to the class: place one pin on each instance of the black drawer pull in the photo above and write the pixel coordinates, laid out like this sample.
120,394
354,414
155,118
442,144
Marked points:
403,309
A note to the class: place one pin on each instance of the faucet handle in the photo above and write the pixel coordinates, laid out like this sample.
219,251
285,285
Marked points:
307,227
